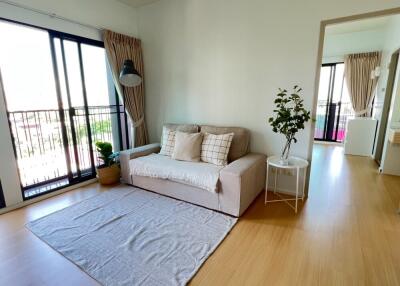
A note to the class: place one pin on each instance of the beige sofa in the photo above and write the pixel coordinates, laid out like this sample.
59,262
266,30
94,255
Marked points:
240,181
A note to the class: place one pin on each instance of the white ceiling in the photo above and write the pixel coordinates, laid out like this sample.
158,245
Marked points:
137,3
358,26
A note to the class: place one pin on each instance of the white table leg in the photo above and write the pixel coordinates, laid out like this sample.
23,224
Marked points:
297,187
276,175
304,182
266,185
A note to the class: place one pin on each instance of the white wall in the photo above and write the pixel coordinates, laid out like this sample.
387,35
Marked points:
100,13
221,62
336,46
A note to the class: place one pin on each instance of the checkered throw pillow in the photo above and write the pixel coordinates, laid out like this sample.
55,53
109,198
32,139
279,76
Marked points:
167,141
215,148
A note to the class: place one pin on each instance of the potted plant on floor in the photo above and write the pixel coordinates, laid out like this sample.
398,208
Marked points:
290,117
108,173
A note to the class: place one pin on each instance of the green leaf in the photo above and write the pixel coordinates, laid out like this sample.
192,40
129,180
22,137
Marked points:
290,114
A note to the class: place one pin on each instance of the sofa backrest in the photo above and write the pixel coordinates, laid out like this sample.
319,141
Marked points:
240,142
189,128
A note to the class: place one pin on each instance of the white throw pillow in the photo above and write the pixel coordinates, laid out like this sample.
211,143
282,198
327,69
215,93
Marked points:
187,146
167,141
215,148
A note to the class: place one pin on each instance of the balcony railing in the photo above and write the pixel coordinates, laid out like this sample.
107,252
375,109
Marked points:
331,121
41,150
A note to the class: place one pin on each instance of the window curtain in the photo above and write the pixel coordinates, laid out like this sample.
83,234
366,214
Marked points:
360,80
118,49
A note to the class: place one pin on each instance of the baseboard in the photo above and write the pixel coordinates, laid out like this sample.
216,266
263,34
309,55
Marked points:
46,196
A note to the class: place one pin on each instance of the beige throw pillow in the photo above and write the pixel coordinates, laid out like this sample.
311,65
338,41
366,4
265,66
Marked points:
215,148
167,141
187,146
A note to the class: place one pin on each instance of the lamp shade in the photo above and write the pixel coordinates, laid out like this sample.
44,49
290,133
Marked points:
129,76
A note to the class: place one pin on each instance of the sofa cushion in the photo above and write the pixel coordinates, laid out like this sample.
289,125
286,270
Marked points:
187,146
215,148
168,136
240,142
198,174
167,141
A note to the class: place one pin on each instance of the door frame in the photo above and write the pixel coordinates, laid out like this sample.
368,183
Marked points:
322,26
381,132
71,110
80,40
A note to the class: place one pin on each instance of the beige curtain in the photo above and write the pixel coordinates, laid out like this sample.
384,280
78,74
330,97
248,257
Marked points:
120,48
360,82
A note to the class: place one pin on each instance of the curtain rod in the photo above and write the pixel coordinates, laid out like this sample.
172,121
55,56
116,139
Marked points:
51,15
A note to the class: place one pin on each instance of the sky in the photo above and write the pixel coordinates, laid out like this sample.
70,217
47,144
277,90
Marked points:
337,91
26,68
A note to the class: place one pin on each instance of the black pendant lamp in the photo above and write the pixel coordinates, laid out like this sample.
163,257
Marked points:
129,76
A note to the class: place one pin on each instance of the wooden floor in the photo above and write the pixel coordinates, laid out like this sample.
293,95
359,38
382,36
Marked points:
347,233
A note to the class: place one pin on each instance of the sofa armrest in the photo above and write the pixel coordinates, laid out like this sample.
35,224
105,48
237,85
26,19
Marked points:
241,182
127,155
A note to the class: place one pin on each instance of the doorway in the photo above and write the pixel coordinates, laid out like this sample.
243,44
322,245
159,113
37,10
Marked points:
367,33
60,100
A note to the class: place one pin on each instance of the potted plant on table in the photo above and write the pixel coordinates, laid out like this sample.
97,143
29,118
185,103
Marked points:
108,173
289,117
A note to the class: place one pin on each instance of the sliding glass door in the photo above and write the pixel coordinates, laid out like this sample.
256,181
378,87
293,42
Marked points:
73,107
33,110
60,101
334,106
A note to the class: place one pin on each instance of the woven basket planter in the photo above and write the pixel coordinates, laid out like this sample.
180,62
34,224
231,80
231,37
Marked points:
108,175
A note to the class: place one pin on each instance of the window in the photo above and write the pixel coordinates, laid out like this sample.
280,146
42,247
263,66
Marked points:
60,101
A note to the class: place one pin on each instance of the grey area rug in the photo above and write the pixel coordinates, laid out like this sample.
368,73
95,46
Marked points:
128,236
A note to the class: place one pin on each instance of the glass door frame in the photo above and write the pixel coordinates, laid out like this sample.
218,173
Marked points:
331,88
71,110
80,40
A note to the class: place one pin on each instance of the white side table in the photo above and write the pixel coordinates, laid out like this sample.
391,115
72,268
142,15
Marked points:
295,163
